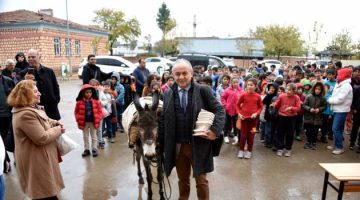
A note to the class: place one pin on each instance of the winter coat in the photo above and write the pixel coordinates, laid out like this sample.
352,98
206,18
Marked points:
202,148
48,86
229,99
267,100
120,90
140,78
93,71
219,91
36,153
314,101
80,110
341,97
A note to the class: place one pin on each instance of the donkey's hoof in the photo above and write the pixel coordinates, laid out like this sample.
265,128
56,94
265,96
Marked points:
141,181
162,197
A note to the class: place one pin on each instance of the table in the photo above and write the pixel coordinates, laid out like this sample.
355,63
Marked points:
342,172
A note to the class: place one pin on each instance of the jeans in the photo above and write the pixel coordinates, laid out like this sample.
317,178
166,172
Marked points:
99,132
338,129
230,123
327,121
2,187
267,132
109,131
120,109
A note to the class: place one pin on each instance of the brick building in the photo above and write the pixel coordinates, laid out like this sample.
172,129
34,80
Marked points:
21,30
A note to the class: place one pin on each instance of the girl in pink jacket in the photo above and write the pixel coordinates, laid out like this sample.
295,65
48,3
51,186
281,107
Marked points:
228,99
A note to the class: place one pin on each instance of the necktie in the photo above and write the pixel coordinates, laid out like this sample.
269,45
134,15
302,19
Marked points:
183,99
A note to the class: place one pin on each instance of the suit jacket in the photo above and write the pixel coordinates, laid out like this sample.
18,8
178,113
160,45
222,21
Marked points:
202,148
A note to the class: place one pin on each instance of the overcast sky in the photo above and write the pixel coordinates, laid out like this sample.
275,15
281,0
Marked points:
225,18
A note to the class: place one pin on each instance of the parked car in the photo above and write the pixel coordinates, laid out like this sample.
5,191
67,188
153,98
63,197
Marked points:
319,62
158,65
202,59
268,63
229,62
173,59
109,64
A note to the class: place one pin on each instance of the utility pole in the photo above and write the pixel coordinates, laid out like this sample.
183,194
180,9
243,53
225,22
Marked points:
68,38
194,27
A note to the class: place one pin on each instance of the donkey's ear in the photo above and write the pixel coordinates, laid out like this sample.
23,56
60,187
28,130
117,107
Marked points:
137,104
155,101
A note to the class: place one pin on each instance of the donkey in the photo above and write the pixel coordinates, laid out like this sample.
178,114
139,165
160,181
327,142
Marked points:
145,146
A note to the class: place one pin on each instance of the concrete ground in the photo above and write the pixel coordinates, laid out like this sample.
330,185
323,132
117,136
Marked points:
112,175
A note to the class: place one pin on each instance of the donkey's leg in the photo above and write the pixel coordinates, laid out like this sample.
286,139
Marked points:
148,177
138,157
160,179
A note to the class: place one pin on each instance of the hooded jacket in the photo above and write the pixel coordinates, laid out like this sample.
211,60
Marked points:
119,89
21,65
314,101
80,108
229,99
304,83
342,95
268,100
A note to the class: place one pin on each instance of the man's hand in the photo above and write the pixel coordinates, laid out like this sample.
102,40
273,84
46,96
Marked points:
29,77
253,116
209,135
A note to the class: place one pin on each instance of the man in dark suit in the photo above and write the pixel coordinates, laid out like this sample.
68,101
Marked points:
182,104
46,82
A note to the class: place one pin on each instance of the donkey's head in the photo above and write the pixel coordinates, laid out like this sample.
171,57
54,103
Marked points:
148,124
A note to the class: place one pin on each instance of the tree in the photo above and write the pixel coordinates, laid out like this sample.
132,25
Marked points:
341,42
356,48
312,41
165,23
279,40
245,45
117,25
166,47
95,44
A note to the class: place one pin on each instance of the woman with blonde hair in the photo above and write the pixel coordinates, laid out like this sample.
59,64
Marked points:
36,153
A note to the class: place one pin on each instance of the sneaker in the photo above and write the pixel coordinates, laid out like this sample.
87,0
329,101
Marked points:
287,153
330,147
112,140
247,155
338,151
279,152
226,140
324,140
351,147
307,145
313,146
102,145
240,154
236,140
298,138
85,153
94,153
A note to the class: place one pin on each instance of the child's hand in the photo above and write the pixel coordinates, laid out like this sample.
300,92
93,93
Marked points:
317,110
241,117
311,110
253,116
288,109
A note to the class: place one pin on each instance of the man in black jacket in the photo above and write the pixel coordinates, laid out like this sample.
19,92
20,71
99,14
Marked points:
182,104
90,71
46,83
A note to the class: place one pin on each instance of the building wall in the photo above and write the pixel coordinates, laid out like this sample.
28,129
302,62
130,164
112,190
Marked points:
21,40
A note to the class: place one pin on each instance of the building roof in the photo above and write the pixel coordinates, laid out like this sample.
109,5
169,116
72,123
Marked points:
333,53
27,17
223,47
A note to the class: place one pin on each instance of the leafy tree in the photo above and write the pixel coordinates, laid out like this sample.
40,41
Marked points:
356,48
95,44
165,23
312,42
245,45
279,40
117,25
166,47
341,42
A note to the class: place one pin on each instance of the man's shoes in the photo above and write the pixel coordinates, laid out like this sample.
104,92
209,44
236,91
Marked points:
338,151
240,154
287,153
247,155
226,140
86,153
94,153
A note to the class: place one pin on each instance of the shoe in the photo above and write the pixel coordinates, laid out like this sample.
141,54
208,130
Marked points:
236,140
279,152
330,147
274,149
331,138
338,151
298,138
102,145
313,146
358,150
94,153
268,146
324,140
247,155
226,140
240,154
351,146
85,153
112,140
307,145
287,153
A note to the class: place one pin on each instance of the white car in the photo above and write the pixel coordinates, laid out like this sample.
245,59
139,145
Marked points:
268,63
158,65
109,64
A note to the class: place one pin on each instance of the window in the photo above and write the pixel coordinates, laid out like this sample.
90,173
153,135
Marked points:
57,46
67,47
77,47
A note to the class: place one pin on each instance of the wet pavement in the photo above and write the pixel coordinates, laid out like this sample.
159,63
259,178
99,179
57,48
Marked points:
112,174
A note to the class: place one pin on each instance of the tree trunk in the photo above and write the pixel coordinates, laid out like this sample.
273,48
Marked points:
278,56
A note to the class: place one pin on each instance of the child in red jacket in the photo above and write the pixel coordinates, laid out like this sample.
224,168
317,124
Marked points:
249,107
88,114
288,106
